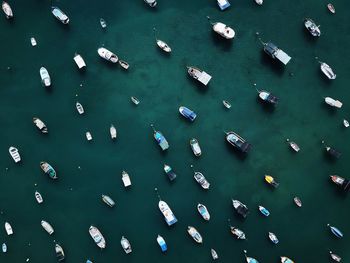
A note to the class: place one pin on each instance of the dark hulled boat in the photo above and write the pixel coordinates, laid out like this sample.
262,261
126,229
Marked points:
268,97
237,141
240,208
341,182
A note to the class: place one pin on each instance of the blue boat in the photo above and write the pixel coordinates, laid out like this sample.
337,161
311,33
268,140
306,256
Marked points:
264,211
187,113
223,4
89,261
249,259
159,137
335,231
161,243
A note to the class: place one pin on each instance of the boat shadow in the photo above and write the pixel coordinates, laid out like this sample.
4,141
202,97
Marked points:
267,107
329,158
308,37
331,110
219,41
163,53
273,64
240,155
199,86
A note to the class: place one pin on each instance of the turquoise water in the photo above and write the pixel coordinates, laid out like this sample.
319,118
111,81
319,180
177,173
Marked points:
72,203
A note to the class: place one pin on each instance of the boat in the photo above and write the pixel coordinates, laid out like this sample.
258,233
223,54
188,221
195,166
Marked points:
123,64
264,211
203,211
237,141
48,170
38,197
169,172
113,132
345,123
7,10
312,27
103,23
340,181
271,181
196,149
45,77
331,8
97,237
297,201
169,216
79,61
40,124
151,3
237,232
332,151
8,229
335,231
286,260
259,2
161,243
273,238
335,257
293,145
107,55
109,201
89,261
126,179
125,245
267,96
240,208
194,234
60,15
199,177
48,228
88,136
161,140
249,259
187,113
222,29
327,70
226,104
14,154
135,100
161,44
33,41
332,102
223,4
4,248
59,252
276,53
200,75
79,107
214,255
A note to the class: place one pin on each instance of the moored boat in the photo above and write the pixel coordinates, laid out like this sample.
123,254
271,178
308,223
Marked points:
113,132
169,216
249,259
273,238
345,123
194,234
240,208
40,124
327,70
161,140
341,182
259,2
161,44
79,61
293,145
237,141
297,201
331,8
332,151
312,27
4,248
196,149
213,253
226,104
198,74
267,96
79,107
108,200
151,3
59,252
237,232
15,154
203,211
33,41
135,100
276,53
125,65
47,227
222,29
286,260
48,170
8,228
45,77
201,180
126,179
88,136
107,55
60,15
332,102
223,4
161,242
169,172
124,242
271,181
7,10
97,237
264,211
38,197
335,231
335,257
103,23
187,113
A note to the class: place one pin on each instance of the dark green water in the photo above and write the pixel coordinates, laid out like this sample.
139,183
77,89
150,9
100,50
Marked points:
162,85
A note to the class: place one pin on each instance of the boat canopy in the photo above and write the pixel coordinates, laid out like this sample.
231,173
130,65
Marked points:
79,61
273,51
204,78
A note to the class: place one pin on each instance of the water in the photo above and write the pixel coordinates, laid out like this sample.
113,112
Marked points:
73,202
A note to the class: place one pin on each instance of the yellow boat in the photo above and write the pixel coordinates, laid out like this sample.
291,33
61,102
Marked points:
270,180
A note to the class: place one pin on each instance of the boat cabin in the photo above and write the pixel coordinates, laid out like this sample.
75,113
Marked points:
273,51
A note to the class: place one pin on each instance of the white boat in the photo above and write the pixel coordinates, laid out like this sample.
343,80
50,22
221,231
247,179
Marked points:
335,257
88,136
107,200
59,252
226,104
113,131
33,41
151,3
79,107
14,154
331,8
259,2
223,30
40,124
45,77
293,145
8,228
60,15
201,180
312,27
38,197
4,248
97,237
346,123
161,242
214,255
103,23
126,179
273,238
196,149
7,10
237,232
167,213
276,53
125,65
48,228
199,75
125,245
161,44
332,102
135,100
223,4
194,234
107,55
327,70
79,60
203,211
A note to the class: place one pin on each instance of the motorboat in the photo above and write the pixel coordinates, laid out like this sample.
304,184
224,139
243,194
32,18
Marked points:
40,124
240,208
187,113
151,3
113,132
297,201
237,232
331,8
45,77
169,172
222,29
198,74
79,107
286,260
223,4
161,242
194,234
196,149
237,141
125,65
273,238
103,23
4,248
332,102
7,10
33,41
249,259
264,211
312,27
15,154
214,255
60,15
88,136
327,70
226,104
59,252
199,177
38,197
346,123
161,44
125,245
8,229
267,96
161,140
97,237
271,181
335,231
276,53
107,55
332,151
107,200
79,61
126,179
259,2
341,182
48,170
169,216
47,227
203,211
335,257
135,100
293,145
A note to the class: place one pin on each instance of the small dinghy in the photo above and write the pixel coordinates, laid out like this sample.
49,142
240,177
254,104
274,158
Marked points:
161,44
126,179
60,15
345,123
293,145
194,234
8,229
4,248
88,136
203,211
297,201
40,124
273,238
223,4
107,55
103,23
79,61
135,100
59,252
187,113
161,140
214,255
113,132
222,29
151,3
107,200
335,257
312,27
267,97
161,242
48,170
271,181
226,104
169,172
45,77
331,8
38,197
14,154
79,107
259,2
125,65
327,70
7,10
249,259
332,102
335,231
125,245
264,211
33,41
196,149
48,228
286,260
